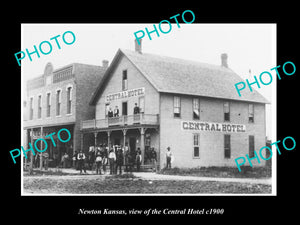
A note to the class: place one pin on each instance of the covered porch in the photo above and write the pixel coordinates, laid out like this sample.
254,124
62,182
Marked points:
138,132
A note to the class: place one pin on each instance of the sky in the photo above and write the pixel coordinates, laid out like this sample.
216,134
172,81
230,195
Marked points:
248,46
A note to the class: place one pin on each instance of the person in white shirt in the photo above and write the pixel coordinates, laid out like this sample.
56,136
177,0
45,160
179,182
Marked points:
168,157
112,159
81,158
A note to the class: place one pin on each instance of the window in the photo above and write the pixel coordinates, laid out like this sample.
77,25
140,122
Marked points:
106,109
251,113
39,106
124,108
196,109
176,106
124,80
69,100
196,145
226,111
48,104
142,104
251,146
31,108
227,151
58,102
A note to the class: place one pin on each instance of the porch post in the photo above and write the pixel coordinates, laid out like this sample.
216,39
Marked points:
31,155
124,142
26,145
41,147
81,141
108,140
95,134
124,136
143,130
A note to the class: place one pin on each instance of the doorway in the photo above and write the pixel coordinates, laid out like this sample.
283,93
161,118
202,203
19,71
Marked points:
124,108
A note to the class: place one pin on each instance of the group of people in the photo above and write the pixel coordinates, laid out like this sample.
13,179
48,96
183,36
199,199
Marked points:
117,158
45,160
115,113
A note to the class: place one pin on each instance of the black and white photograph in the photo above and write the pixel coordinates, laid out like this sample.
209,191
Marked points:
106,112
127,113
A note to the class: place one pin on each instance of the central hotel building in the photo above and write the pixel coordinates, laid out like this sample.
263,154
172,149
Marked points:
189,106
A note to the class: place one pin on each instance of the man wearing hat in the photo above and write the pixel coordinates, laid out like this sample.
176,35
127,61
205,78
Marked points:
168,157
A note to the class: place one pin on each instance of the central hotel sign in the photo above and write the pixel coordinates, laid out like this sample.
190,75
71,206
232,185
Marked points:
125,94
208,126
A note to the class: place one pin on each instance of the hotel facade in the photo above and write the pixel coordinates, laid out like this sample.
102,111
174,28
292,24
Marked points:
189,106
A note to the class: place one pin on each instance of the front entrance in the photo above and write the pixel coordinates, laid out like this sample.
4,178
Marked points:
132,143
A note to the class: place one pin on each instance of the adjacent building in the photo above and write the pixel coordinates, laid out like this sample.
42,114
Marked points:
189,106
60,99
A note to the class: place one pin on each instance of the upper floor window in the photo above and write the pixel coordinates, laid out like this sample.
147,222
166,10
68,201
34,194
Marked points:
226,111
196,108
39,106
31,108
48,104
142,104
58,102
69,100
177,106
124,80
251,113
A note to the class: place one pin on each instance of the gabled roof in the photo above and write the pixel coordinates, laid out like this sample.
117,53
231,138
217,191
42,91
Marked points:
179,76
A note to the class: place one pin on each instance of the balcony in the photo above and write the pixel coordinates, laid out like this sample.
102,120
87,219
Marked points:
138,119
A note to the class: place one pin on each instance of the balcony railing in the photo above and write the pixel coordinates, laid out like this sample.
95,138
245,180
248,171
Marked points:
145,119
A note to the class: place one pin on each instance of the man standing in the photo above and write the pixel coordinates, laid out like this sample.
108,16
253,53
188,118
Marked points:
81,159
136,109
119,160
46,160
75,160
112,159
110,113
138,160
168,157
98,161
154,158
116,112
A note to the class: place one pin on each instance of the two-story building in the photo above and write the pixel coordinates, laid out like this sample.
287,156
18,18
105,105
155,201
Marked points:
59,99
189,106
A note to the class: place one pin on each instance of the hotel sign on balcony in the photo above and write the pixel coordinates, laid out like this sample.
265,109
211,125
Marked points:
207,126
125,94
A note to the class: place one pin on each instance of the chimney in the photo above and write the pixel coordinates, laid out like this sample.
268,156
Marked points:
138,48
224,57
105,63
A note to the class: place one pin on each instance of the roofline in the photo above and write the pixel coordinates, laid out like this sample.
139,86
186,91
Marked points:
110,69
119,53
206,96
73,65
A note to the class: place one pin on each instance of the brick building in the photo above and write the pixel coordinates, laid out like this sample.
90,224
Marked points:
190,106
59,99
